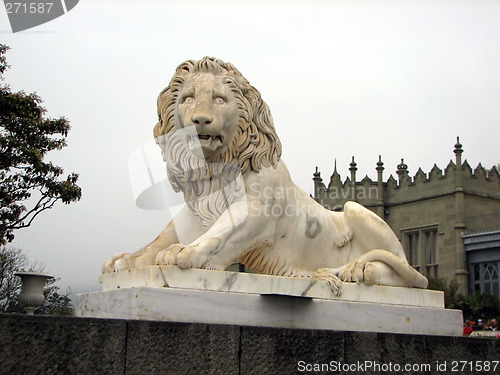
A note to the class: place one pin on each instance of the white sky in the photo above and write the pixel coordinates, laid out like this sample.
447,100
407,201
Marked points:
342,78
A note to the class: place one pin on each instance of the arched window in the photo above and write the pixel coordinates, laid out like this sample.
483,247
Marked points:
485,278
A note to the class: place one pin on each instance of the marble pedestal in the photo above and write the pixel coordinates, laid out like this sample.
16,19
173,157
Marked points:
219,297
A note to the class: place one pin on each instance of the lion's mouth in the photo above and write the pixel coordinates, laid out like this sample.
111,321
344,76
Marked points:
206,137
205,140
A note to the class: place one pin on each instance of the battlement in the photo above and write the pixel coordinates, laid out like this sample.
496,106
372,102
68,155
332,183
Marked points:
404,188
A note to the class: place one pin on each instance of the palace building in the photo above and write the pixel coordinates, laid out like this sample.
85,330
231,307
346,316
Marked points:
448,221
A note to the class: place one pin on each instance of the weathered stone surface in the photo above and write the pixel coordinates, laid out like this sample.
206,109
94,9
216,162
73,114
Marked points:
373,349
180,348
469,349
59,345
282,311
242,282
282,351
53,345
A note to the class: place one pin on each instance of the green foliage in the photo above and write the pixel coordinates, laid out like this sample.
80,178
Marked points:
3,61
14,259
26,136
485,306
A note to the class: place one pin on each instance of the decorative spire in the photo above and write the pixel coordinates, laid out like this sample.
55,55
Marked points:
380,165
402,170
353,170
353,166
402,167
458,147
380,189
317,176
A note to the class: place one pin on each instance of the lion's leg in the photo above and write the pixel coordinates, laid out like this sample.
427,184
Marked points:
395,272
234,232
184,227
371,273
143,257
379,273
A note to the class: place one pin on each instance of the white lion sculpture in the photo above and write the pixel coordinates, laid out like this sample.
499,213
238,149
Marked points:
218,140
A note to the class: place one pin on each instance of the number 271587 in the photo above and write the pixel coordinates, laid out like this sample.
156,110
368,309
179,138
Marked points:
28,8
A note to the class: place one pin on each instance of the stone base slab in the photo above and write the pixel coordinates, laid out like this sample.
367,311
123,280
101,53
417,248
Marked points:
238,282
214,307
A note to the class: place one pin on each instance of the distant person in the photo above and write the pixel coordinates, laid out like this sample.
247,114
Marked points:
467,328
479,326
492,325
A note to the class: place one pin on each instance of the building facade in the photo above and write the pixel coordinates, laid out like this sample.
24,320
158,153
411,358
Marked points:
439,217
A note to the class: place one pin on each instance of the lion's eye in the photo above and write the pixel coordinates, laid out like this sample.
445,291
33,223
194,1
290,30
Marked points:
219,100
187,99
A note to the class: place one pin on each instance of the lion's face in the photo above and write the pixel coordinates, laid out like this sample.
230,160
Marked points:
209,105
232,122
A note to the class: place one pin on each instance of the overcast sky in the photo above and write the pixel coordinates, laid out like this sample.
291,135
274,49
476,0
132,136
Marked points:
342,78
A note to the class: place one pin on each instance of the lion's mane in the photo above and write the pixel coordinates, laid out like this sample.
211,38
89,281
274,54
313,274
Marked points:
209,188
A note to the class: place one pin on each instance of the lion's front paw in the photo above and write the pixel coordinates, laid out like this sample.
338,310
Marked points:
124,261
168,257
185,258
109,265
328,275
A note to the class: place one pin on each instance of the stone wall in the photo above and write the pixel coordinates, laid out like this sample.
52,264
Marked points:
57,345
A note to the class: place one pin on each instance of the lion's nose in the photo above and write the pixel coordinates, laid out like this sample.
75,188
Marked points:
202,118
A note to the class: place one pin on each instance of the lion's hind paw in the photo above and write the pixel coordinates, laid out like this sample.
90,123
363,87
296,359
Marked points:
329,275
354,272
370,274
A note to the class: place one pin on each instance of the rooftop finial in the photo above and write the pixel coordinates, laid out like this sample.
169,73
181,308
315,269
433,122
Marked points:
402,170
380,164
458,147
317,180
402,166
353,165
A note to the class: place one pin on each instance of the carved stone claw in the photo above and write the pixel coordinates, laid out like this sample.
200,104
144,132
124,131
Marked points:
332,279
168,256
354,272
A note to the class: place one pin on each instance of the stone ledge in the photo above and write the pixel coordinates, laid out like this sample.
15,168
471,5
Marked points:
213,307
237,282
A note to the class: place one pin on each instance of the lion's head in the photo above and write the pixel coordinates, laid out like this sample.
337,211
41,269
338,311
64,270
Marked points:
231,119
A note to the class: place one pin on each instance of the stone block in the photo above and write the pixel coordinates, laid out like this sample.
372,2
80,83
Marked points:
60,345
180,348
282,351
202,306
